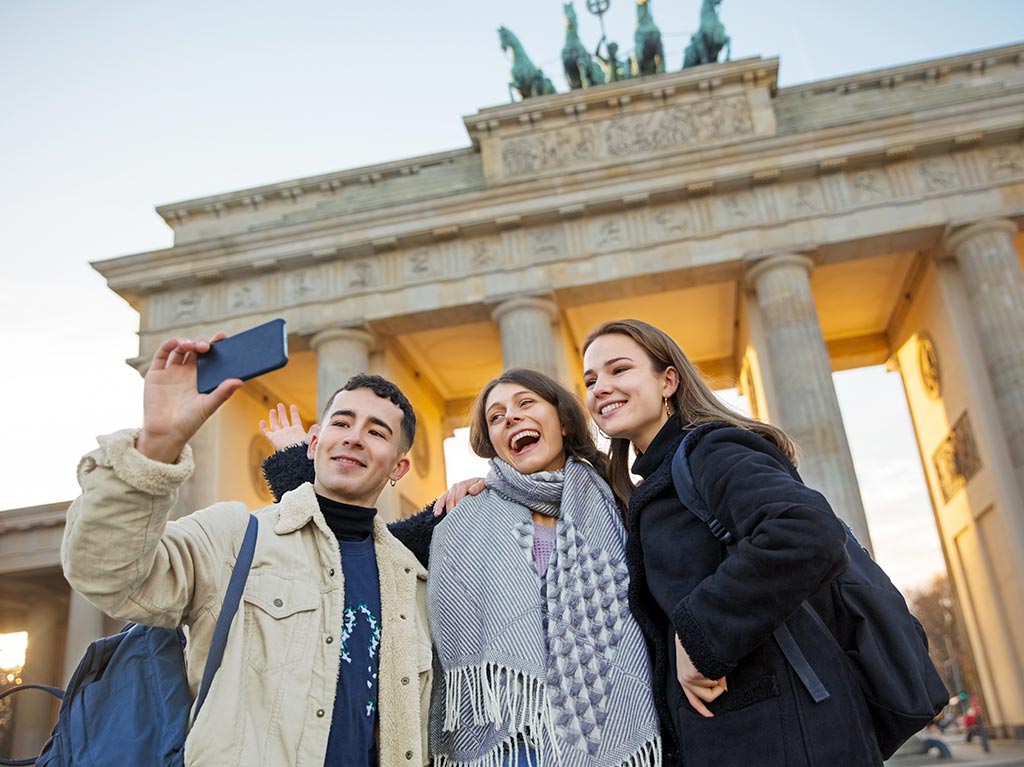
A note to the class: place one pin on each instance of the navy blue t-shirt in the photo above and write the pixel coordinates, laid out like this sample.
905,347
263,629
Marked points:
352,741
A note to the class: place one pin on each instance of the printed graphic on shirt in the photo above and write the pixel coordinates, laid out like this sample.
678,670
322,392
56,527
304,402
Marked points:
361,622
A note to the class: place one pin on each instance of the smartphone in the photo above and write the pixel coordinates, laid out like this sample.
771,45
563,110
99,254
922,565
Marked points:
245,355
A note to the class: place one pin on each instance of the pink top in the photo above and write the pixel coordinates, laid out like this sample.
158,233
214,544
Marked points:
543,545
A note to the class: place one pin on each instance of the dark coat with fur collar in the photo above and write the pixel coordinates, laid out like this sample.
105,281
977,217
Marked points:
724,609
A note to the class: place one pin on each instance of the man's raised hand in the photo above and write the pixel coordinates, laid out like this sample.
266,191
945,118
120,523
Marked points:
172,408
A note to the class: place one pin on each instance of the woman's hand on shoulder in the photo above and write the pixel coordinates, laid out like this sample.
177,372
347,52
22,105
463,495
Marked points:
698,689
284,430
454,494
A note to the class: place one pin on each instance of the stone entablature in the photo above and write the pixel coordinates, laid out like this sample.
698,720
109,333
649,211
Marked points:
675,230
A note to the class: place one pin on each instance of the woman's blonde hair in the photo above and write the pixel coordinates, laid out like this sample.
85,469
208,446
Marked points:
693,399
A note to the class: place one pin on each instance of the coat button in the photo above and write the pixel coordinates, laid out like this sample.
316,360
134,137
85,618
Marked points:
330,640
408,570
331,572
408,754
320,713
278,603
402,617
405,680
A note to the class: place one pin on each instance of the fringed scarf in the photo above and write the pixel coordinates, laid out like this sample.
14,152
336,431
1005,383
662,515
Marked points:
556,664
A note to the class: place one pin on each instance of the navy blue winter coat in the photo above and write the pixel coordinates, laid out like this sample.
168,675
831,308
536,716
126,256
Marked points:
724,609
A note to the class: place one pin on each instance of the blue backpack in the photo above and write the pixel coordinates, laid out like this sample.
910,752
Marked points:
884,644
128,701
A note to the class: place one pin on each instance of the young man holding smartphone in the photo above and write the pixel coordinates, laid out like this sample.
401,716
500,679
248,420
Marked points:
329,660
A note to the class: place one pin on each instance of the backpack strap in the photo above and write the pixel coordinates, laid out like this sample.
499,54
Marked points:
54,691
232,598
686,489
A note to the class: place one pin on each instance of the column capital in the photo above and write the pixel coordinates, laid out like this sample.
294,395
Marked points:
516,304
764,265
341,334
953,239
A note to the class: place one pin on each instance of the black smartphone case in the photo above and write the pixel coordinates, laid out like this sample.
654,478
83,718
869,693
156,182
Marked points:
246,355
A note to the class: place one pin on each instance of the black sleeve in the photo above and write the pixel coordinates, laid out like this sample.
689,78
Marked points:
416,532
790,544
287,469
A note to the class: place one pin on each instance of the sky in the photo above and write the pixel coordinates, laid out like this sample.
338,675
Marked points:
108,109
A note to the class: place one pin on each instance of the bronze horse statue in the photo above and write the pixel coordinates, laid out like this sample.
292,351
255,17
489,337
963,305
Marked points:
528,79
707,42
580,68
649,54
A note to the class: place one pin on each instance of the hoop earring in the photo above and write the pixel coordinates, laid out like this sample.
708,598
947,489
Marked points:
393,482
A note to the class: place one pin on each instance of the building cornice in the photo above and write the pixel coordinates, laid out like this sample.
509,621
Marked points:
735,166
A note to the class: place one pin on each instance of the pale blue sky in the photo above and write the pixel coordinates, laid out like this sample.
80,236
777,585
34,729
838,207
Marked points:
111,108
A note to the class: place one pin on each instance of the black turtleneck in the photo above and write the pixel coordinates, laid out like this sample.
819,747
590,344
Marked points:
664,442
347,522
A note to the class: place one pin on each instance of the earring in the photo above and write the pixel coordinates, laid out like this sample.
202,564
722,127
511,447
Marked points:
393,482
668,412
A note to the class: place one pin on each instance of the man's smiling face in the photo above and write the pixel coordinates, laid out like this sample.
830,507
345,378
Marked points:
358,448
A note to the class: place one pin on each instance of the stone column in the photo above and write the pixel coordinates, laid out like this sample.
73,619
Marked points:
85,625
994,282
34,711
340,354
805,401
527,338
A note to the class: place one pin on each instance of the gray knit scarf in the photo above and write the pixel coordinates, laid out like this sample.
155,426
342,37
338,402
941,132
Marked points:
556,664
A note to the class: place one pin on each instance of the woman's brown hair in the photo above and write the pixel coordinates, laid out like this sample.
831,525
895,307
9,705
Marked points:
693,399
577,439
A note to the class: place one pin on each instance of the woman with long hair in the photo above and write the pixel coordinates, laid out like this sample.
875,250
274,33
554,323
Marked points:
723,688
541,660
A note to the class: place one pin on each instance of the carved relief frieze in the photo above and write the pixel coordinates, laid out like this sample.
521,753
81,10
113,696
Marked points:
628,136
608,233
735,210
187,306
482,254
422,264
870,186
804,198
361,274
938,174
546,243
245,296
670,222
1003,162
303,285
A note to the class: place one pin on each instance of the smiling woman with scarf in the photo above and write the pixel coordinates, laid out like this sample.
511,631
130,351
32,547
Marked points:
541,659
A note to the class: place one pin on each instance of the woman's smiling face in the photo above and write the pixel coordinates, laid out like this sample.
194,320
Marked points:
524,429
625,394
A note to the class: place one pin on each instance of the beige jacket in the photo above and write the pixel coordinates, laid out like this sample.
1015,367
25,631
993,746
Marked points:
272,699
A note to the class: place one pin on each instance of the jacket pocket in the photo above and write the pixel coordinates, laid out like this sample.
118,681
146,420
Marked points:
745,730
278,614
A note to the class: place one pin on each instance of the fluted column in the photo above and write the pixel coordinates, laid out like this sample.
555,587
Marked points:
340,354
527,337
85,625
992,278
805,397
